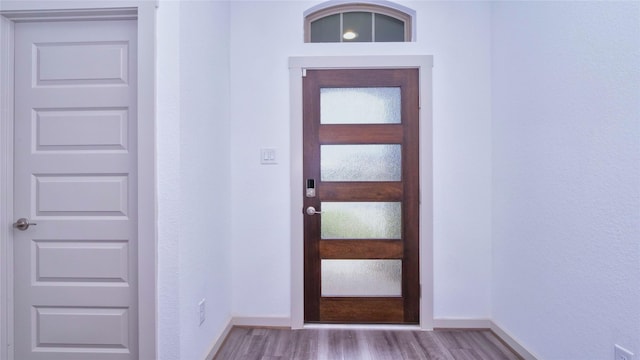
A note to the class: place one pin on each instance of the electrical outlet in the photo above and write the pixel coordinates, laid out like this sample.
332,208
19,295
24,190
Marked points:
201,309
621,353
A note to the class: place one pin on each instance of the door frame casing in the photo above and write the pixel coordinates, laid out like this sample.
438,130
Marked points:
144,13
297,67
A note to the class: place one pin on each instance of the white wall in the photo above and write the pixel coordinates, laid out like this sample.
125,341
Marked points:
193,175
263,36
168,165
566,181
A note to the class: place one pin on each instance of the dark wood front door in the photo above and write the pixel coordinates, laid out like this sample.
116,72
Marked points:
361,170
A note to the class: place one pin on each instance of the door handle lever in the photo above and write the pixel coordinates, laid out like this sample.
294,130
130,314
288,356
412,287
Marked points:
23,224
312,211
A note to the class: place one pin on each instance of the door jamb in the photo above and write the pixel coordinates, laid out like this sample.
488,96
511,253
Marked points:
297,67
6,184
144,12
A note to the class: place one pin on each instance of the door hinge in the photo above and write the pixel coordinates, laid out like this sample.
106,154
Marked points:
304,72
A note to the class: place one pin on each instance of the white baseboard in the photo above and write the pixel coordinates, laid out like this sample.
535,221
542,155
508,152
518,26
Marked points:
217,343
453,323
513,343
276,322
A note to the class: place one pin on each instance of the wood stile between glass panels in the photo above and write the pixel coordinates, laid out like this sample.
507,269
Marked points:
383,253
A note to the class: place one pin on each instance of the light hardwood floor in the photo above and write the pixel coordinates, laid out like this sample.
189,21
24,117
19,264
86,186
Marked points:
329,344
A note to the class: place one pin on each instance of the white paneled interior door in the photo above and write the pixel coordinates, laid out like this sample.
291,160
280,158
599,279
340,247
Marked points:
75,269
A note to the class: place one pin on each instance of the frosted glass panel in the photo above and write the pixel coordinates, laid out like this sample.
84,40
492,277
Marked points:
361,220
360,105
361,277
360,162
326,29
358,24
389,29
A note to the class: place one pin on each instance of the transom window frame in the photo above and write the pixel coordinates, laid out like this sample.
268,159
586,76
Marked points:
395,11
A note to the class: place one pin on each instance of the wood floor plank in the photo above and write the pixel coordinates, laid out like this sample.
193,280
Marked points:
466,354
504,349
385,345
305,345
349,344
232,343
423,345
341,344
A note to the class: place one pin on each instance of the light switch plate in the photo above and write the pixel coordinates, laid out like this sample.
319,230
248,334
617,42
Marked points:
268,156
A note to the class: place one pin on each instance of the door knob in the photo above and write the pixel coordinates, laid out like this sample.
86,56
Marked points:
23,224
312,211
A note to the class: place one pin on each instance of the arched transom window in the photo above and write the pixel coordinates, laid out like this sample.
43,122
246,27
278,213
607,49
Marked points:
358,22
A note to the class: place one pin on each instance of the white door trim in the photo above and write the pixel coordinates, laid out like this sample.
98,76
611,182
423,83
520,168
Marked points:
6,186
296,67
144,11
